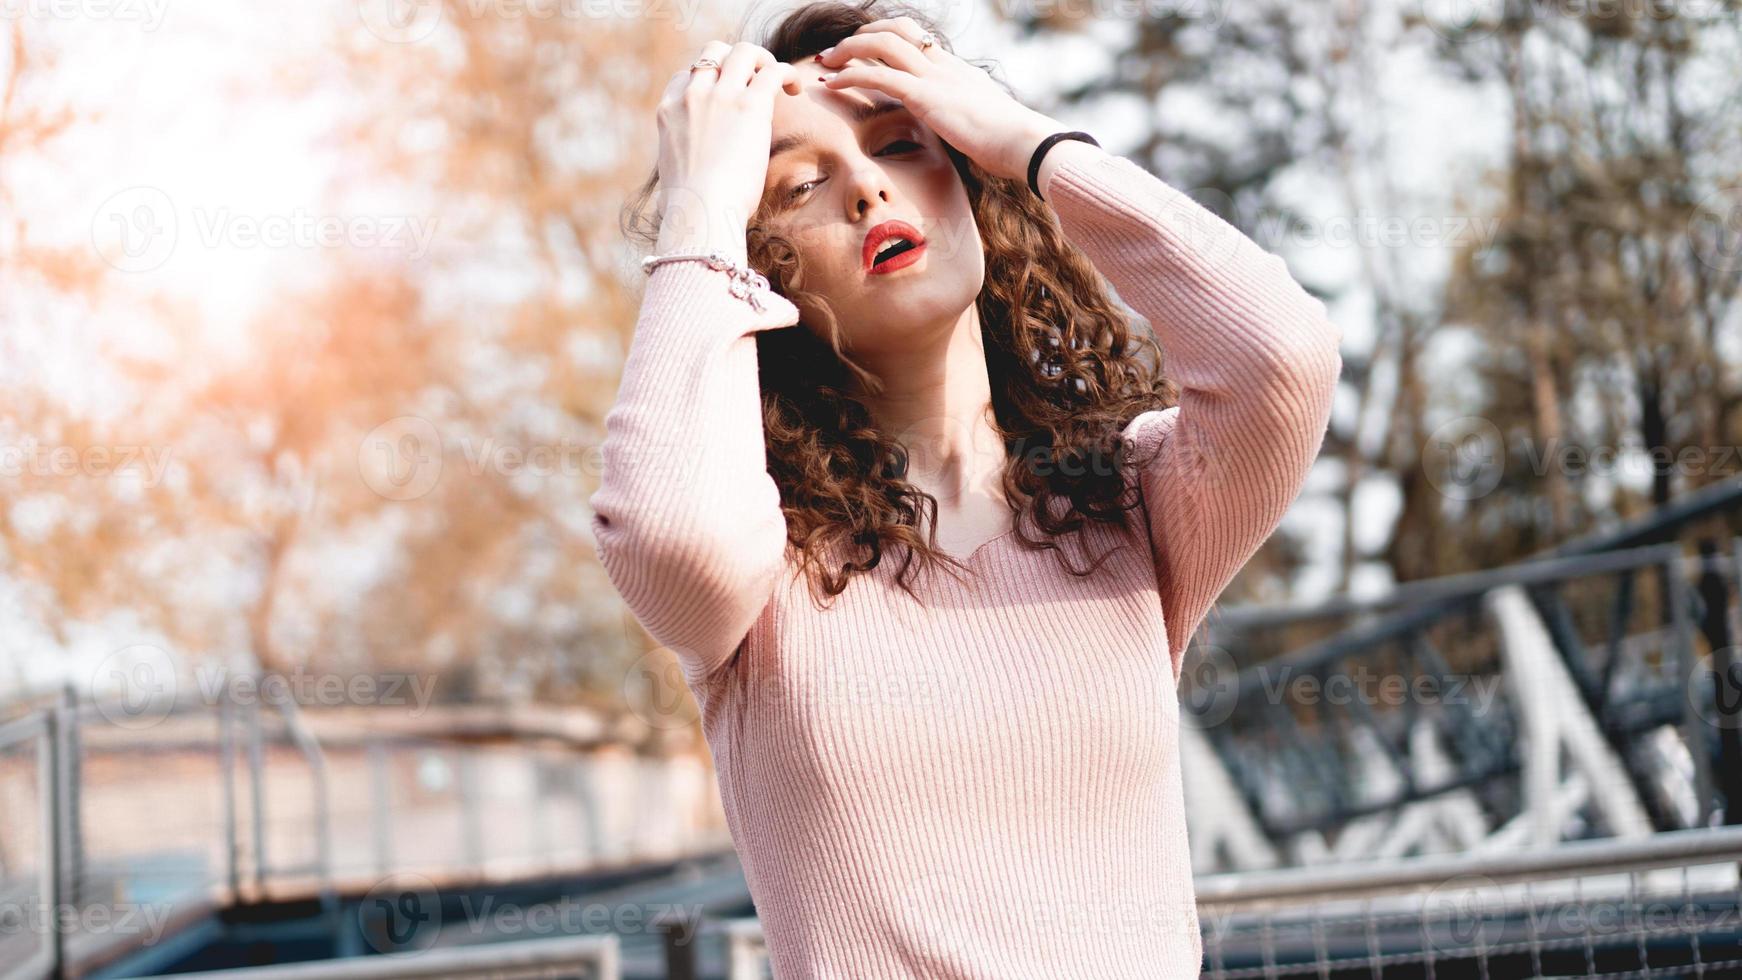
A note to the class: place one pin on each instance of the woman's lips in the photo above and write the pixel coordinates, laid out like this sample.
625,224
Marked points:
880,234
895,262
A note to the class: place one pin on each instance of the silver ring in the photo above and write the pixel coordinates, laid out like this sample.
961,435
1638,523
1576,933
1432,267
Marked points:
705,63
926,40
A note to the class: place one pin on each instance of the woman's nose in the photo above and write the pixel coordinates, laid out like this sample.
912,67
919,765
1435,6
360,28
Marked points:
868,197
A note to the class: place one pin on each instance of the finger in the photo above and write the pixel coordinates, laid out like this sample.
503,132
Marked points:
887,46
891,81
674,86
779,76
772,76
703,79
913,31
741,63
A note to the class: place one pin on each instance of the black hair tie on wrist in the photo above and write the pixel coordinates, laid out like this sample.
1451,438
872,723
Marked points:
1040,154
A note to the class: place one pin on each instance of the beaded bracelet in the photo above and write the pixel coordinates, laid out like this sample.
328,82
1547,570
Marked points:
745,281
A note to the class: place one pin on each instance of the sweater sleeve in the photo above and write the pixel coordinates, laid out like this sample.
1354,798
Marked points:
1256,359
686,518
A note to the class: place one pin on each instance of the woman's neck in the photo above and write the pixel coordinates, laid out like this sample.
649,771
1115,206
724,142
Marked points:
937,402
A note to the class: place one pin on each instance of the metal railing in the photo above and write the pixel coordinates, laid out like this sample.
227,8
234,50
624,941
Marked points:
1629,703
593,957
30,882
99,885
1668,903
122,824
1659,893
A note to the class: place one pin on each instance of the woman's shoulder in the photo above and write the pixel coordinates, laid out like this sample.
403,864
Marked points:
1144,434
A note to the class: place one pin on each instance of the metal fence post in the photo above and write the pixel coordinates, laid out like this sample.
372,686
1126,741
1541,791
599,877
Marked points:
381,804
257,789
471,820
1726,684
65,852
68,826
1694,724
678,929
227,770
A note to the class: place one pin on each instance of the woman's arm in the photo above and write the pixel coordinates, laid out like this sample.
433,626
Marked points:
687,520
1255,356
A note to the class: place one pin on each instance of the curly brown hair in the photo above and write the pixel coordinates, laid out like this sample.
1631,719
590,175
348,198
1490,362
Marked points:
1067,373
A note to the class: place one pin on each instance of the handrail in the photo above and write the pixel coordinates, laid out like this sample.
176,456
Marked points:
1629,537
1667,848
28,726
744,940
499,961
310,747
43,889
1422,593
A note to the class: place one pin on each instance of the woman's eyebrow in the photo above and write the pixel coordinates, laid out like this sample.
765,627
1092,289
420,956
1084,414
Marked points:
860,112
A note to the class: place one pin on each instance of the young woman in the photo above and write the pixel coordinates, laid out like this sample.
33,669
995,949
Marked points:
903,360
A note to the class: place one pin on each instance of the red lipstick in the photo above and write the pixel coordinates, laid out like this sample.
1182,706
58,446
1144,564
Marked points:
878,239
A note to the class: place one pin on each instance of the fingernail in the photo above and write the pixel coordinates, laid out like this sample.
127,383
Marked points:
828,76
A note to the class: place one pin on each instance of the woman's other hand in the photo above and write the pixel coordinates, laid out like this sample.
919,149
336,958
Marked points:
955,99
714,130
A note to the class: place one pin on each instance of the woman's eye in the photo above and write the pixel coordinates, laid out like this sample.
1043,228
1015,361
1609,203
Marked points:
899,146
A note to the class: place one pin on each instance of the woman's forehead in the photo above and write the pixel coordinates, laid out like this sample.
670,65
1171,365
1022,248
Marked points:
817,108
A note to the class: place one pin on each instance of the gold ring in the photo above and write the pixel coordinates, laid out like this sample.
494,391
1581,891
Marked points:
926,40
705,63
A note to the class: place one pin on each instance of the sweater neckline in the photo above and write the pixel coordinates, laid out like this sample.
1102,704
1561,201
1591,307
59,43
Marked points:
982,546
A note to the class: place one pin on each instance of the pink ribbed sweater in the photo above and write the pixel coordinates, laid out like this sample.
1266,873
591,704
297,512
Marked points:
986,786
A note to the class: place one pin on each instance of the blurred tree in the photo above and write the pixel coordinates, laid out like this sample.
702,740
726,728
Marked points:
1600,309
1612,271
29,121
57,563
526,133
1288,73
487,361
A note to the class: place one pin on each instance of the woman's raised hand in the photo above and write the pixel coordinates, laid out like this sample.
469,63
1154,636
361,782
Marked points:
955,99
714,130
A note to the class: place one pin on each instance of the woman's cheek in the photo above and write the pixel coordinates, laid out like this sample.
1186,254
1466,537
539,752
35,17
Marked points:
820,250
